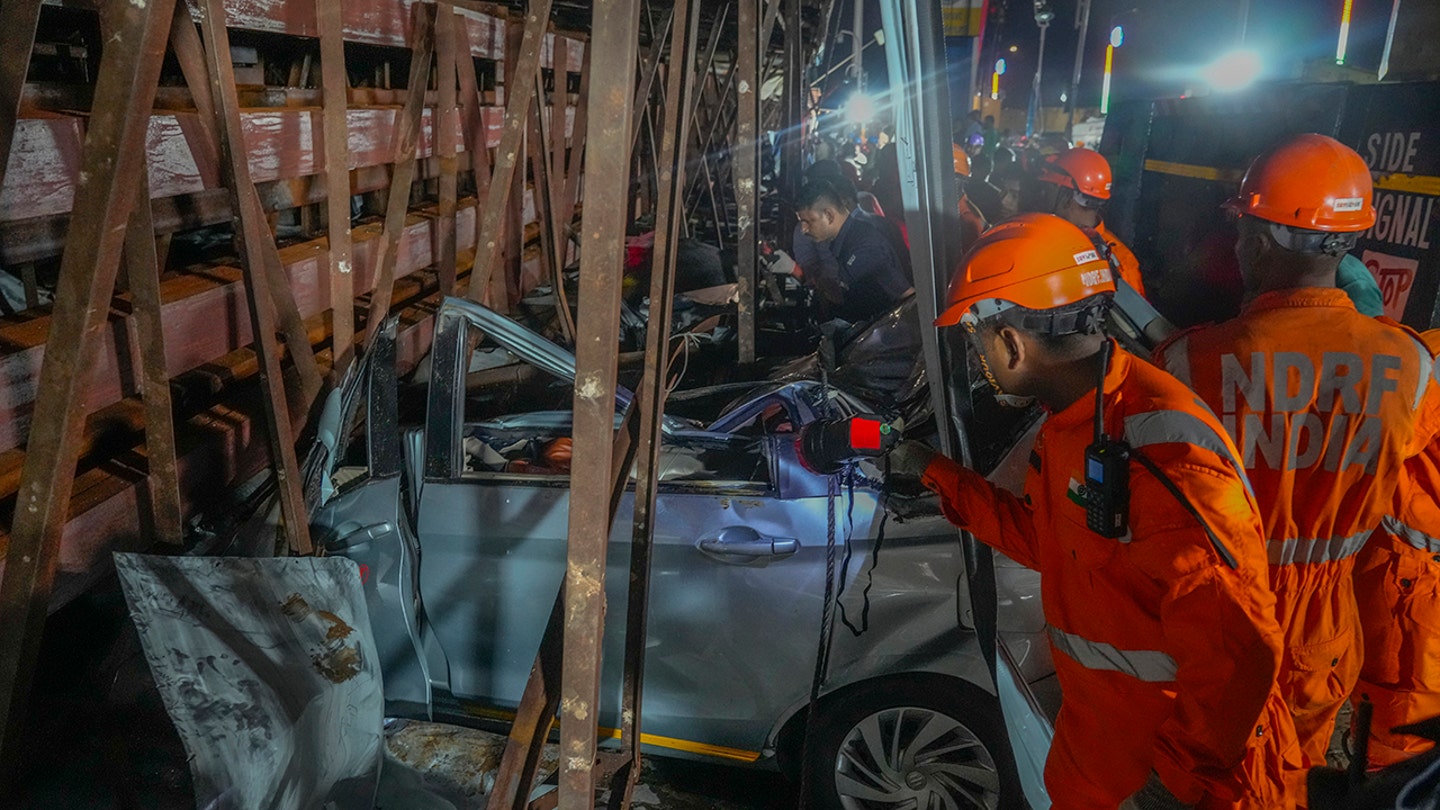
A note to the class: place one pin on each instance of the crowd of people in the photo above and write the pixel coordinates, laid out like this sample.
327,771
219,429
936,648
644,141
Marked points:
1238,533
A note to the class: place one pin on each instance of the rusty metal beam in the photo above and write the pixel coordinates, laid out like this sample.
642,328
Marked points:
264,289
795,97
18,19
505,283
649,68
747,172
551,230
607,166
446,143
555,132
142,268
653,386
578,137
518,96
245,202
112,158
472,107
406,136
535,716
334,86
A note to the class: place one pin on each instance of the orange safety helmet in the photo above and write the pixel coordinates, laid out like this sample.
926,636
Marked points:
962,160
1083,170
1036,261
1311,182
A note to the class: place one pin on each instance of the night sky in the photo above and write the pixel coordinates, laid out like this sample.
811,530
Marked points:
1167,42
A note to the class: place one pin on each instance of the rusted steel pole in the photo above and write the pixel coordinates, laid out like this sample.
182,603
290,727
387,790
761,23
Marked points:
406,139
506,281
190,54
796,98
747,171
472,113
580,130
518,97
551,246
649,68
607,167
18,19
142,269
333,88
654,383
254,243
445,122
113,157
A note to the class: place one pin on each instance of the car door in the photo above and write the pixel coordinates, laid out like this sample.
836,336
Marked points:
738,566
354,492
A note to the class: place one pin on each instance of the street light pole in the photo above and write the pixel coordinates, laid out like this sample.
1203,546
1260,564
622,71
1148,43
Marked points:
1043,16
1117,38
1389,40
1082,21
859,42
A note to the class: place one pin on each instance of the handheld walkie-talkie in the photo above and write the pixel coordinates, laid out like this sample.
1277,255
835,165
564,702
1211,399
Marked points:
1107,471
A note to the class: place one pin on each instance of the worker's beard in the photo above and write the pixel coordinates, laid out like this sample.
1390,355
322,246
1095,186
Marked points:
1014,400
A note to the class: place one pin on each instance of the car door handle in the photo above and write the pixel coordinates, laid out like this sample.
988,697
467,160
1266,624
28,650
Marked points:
743,541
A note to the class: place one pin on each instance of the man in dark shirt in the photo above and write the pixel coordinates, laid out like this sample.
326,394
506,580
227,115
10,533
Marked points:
867,279
864,205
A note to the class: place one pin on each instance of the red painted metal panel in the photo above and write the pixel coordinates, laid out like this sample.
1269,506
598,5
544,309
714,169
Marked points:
281,143
208,309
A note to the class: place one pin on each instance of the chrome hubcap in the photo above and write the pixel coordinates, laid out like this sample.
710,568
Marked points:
908,757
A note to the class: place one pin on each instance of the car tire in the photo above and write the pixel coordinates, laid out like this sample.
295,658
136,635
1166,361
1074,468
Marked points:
963,758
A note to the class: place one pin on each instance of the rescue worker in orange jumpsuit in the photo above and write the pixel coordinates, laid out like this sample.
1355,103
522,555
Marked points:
1324,403
1164,637
1397,589
1078,181
972,222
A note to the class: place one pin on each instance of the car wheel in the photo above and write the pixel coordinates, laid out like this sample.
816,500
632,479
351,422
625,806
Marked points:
912,745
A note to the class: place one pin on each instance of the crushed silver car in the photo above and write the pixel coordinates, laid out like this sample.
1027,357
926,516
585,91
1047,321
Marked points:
457,519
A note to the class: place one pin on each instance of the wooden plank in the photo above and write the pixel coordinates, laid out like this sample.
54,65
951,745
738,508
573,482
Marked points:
446,65
335,87
142,267
254,243
407,133
487,252
129,71
18,20
607,165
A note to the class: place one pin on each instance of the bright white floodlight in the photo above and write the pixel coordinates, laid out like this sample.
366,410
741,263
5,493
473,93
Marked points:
860,109
1235,70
